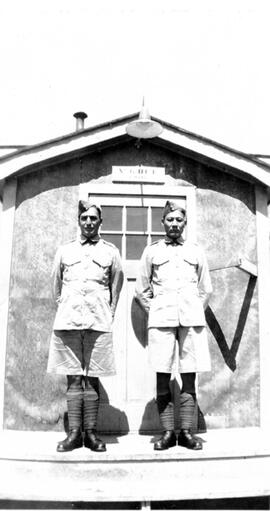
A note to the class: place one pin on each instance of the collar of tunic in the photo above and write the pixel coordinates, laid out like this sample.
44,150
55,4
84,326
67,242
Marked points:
177,241
83,240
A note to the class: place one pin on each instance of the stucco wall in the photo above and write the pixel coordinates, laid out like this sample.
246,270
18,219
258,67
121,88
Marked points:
46,216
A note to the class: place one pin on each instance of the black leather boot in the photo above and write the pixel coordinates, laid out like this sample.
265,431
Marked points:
92,442
187,439
73,441
167,440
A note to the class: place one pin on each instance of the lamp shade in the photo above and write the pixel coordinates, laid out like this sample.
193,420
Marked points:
144,126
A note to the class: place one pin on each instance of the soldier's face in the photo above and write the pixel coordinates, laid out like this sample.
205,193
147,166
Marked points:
89,223
174,224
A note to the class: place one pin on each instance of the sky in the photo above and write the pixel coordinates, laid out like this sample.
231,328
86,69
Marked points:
202,65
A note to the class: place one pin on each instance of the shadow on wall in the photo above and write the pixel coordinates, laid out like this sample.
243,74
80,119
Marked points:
139,322
114,420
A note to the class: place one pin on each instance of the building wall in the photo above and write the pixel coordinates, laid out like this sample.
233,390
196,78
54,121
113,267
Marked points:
46,216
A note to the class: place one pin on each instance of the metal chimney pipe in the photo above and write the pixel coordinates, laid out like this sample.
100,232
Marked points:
80,116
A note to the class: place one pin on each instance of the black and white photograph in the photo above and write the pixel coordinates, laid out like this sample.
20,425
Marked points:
135,255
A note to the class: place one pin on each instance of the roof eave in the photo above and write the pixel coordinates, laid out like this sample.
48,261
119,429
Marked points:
249,167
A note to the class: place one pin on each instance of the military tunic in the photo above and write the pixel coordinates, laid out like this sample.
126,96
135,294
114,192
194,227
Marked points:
173,286
173,283
87,280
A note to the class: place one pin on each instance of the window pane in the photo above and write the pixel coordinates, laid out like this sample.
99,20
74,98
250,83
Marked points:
135,246
112,218
116,239
157,214
136,219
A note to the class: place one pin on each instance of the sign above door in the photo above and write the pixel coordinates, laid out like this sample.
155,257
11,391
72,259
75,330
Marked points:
138,174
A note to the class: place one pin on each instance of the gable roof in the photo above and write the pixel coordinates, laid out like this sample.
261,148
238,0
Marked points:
207,151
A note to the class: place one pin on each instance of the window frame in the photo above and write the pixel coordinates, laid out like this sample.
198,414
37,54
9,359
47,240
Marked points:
141,195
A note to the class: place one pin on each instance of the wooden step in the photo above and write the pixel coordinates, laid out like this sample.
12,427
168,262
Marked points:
233,463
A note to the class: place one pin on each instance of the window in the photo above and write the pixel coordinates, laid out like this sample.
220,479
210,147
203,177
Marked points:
132,213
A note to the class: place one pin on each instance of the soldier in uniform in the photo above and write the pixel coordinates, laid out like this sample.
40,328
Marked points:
173,286
87,280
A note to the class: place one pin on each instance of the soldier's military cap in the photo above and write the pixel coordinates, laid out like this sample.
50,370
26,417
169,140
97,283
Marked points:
84,205
172,206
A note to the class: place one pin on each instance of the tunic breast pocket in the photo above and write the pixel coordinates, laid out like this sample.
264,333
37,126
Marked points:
161,268
101,268
191,267
72,268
